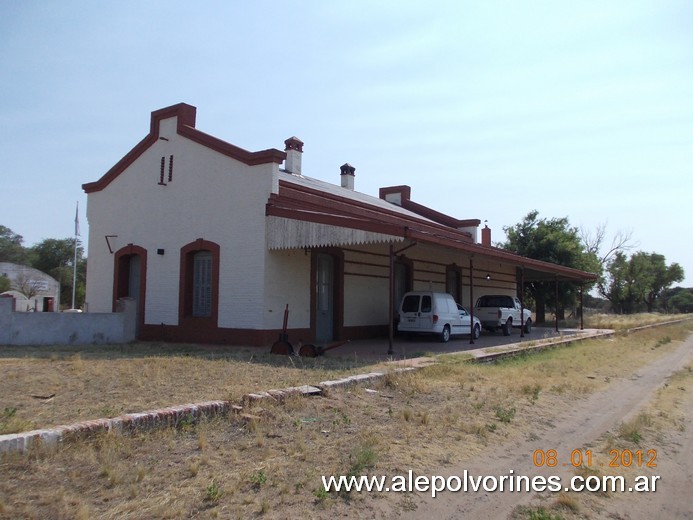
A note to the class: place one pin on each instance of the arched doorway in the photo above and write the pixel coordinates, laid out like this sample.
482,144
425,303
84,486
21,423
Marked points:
130,277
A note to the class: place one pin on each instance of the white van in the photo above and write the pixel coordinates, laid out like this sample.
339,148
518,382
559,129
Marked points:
426,312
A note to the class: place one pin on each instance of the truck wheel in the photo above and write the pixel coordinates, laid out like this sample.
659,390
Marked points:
507,327
445,335
528,326
477,332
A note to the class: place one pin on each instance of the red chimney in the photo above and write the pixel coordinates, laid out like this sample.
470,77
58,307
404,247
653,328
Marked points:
486,236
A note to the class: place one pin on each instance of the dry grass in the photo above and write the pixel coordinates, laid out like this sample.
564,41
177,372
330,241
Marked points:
628,321
648,433
106,381
271,467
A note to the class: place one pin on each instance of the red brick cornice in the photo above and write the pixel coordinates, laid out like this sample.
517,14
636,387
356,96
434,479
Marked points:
186,115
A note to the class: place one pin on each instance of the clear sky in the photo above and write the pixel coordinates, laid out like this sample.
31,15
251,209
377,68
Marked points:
487,109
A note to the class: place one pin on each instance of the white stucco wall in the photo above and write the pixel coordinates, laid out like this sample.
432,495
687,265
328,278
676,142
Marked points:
287,281
429,263
211,196
366,286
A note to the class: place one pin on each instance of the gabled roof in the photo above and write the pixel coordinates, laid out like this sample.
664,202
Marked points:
186,115
405,201
311,200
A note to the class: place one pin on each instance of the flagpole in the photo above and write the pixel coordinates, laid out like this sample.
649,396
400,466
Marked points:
74,263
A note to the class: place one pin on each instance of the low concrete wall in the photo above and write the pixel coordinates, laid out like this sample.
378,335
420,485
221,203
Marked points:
60,328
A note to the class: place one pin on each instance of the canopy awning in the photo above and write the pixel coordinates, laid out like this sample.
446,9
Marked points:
301,216
286,233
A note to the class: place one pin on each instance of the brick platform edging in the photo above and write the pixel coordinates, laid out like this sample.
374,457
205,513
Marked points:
650,325
173,416
491,354
176,415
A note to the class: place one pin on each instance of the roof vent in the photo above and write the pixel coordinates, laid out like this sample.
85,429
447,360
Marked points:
347,175
294,153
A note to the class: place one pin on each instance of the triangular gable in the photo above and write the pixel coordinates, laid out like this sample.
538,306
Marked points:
185,127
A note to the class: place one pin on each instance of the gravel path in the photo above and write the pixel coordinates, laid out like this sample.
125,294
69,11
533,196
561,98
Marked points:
580,427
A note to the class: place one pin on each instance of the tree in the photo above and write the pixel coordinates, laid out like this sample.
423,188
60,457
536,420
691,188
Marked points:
636,283
26,286
656,276
11,249
56,258
682,301
613,284
594,243
552,241
5,284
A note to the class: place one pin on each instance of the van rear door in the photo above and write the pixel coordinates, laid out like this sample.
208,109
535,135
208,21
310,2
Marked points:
410,312
426,313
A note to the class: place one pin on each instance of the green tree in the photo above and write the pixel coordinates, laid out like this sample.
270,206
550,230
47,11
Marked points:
682,301
5,284
56,258
11,249
656,276
554,241
613,285
636,283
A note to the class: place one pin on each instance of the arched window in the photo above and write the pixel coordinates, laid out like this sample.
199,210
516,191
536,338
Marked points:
199,284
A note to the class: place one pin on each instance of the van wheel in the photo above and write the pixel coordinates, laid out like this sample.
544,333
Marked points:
445,335
528,326
508,327
477,332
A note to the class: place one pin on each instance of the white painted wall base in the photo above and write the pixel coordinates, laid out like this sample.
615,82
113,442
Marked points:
57,328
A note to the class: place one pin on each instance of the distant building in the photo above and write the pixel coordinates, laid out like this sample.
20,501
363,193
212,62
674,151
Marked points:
32,290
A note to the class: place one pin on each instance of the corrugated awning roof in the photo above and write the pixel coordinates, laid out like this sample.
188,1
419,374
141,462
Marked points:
289,233
311,213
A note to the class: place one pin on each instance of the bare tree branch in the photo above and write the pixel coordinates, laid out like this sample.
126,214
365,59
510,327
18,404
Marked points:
27,286
594,242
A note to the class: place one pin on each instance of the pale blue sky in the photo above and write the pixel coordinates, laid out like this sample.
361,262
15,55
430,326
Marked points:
487,109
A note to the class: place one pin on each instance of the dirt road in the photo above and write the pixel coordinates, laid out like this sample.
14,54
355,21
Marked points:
584,425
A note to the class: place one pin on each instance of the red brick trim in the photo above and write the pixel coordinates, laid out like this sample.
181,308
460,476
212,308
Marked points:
186,320
222,335
306,203
271,155
403,190
561,272
438,217
431,214
120,284
185,127
367,332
